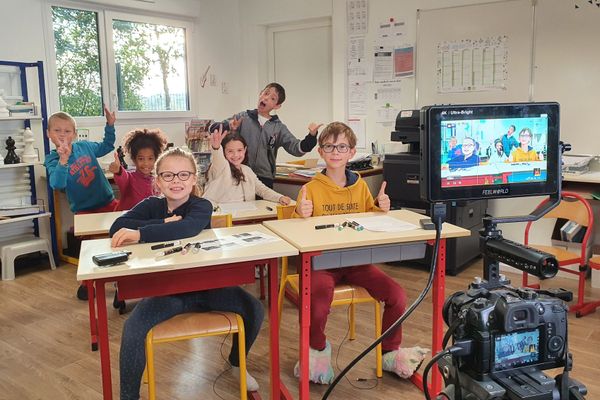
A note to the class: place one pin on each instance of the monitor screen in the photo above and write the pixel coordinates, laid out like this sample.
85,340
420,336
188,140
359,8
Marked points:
494,150
516,349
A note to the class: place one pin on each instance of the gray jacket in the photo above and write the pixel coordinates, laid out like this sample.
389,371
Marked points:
263,142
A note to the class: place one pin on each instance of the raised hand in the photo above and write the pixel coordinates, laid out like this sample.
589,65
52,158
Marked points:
115,166
125,236
234,124
304,207
217,136
284,200
173,218
383,200
64,152
313,128
110,116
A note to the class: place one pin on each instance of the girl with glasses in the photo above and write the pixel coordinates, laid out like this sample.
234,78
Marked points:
177,214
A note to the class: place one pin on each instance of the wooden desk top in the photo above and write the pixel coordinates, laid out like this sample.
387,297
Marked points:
144,260
301,180
100,223
590,177
303,235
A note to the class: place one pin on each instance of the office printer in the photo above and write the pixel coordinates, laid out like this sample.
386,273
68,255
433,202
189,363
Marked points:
401,171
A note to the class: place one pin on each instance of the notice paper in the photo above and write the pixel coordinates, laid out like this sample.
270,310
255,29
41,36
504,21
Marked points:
384,223
230,208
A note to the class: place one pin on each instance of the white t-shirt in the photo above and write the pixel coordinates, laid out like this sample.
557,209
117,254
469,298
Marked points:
262,120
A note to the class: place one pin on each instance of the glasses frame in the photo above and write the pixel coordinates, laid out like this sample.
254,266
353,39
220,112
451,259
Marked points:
160,175
335,147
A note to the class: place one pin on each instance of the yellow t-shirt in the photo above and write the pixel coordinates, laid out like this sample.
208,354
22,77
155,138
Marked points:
518,155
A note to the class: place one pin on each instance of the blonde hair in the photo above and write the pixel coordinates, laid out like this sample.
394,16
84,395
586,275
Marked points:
177,152
335,129
64,116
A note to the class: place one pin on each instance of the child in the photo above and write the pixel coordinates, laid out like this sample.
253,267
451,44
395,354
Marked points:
265,133
338,190
144,147
178,214
74,168
524,152
228,178
468,158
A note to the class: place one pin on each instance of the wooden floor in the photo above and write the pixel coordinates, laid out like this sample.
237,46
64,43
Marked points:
45,350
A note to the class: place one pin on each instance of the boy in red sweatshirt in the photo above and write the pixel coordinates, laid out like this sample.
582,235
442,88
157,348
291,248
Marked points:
337,190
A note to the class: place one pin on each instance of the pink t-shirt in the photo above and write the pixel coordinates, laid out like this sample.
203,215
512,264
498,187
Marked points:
134,187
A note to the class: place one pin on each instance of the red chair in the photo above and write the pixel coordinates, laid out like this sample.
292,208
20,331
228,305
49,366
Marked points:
575,208
591,306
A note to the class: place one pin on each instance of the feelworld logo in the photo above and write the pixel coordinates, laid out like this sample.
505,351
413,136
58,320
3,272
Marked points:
494,192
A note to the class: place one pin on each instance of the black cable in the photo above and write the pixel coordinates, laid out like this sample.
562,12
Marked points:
430,364
403,317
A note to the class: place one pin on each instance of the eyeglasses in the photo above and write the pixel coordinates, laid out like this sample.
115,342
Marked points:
468,145
341,148
524,135
168,176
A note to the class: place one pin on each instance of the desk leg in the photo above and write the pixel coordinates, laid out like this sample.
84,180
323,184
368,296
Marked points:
92,307
304,324
278,390
103,338
439,283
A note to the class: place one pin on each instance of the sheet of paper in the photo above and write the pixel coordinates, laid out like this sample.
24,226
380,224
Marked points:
253,238
229,208
358,126
384,223
357,17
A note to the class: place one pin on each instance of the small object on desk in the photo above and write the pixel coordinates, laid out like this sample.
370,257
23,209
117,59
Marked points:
110,259
170,251
325,226
163,245
197,248
187,247
427,224
269,208
356,226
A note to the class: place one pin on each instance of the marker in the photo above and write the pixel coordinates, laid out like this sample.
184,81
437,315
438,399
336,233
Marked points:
269,208
197,247
187,247
163,245
325,226
170,251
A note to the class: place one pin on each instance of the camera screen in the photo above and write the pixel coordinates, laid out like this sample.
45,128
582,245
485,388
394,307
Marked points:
492,151
516,349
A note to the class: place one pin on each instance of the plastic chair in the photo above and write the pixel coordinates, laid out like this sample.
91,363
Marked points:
343,295
191,326
10,251
575,208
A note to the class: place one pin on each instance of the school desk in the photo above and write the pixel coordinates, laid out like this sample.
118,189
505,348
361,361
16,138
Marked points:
332,248
100,223
145,275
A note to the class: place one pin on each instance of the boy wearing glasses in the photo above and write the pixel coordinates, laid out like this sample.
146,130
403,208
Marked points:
337,190
525,152
468,158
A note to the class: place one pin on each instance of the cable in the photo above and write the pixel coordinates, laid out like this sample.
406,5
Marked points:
403,317
431,362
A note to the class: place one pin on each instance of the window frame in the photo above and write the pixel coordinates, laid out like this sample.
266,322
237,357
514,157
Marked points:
105,17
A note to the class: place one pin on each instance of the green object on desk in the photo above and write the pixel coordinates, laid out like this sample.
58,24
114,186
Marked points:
596,196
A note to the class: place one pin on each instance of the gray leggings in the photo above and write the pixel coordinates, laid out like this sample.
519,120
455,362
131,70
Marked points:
151,311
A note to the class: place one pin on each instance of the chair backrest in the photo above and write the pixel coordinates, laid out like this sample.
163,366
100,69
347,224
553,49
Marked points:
221,221
285,212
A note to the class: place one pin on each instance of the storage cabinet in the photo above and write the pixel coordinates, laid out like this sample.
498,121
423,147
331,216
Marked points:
22,188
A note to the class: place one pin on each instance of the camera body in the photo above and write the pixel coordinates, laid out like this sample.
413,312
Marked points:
510,329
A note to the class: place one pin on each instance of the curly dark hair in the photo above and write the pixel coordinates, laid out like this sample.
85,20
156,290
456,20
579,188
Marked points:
138,139
237,174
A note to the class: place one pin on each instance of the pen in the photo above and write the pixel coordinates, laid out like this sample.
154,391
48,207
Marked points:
197,247
325,226
163,245
170,251
187,247
269,208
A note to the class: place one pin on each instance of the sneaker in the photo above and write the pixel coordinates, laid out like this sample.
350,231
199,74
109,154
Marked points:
251,384
82,292
319,366
404,361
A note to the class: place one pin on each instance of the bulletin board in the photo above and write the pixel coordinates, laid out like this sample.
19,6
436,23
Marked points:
497,36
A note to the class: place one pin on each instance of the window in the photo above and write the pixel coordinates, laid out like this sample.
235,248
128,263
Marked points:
146,63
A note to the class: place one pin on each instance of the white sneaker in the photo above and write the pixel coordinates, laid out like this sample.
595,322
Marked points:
251,384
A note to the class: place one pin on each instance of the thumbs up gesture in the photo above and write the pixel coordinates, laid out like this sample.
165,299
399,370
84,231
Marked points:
115,166
383,200
304,207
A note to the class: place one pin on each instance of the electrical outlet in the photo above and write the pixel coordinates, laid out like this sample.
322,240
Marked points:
83,134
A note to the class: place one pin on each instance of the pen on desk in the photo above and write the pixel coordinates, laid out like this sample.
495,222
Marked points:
170,251
163,245
269,208
197,247
325,226
187,248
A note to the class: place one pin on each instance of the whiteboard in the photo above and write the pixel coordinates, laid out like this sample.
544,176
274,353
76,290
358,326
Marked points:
512,19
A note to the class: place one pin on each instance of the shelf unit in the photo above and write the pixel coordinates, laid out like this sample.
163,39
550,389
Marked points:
41,120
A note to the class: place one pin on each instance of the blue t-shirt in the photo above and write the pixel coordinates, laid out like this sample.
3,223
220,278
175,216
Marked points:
82,178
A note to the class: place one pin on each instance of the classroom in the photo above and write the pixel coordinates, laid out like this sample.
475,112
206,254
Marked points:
154,77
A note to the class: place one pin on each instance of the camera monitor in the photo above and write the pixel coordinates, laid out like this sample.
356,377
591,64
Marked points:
489,151
516,349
